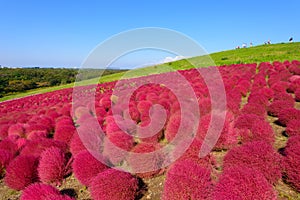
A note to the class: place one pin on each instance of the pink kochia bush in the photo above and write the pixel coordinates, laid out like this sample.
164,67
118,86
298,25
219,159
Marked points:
16,129
292,162
257,155
21,172
297,94
114,185
254,108
242,183
40,191
86,167
64,133
187,180
259,131
287,115
53,166
277,106
76,145
149,158
293,127
5,158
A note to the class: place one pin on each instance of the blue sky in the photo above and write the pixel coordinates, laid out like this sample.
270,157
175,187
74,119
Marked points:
63,33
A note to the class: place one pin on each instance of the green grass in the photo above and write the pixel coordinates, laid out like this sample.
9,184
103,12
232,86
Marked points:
257,54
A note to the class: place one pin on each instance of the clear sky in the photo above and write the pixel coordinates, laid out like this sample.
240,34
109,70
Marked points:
62,33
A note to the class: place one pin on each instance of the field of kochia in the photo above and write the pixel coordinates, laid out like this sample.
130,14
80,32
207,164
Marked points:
44,139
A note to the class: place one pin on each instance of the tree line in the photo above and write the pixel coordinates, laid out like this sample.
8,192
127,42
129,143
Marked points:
13,80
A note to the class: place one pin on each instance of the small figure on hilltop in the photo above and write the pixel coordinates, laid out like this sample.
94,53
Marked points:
291,40
269,41
244,45
238,47
251,44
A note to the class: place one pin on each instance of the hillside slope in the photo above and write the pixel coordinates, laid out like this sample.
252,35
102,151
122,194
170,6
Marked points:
256,54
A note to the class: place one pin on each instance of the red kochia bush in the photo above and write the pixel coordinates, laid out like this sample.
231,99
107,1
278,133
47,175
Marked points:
242,183
8,145
260,131
114,185
76,145
277,106
257,155
5,158
36,147
152,161
38,191
254,108
187,180
21,172
34,135
292,161
16,129
293,127
53,166
258,98
245,121
297,94
288,114
86,167
64,133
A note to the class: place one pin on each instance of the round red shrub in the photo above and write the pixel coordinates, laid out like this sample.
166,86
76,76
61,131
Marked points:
257,98
34,135
8,145
16,129
36,147
76,145
258,155
21,172
245,121
3,131
292,162
105,102
121,140
283,96
144,107
254,108
38,191
293,127
242,183
86,167
172,126
294,85
79,111
260,131
280,87
187,180
5,158
53,166
36,127
287,115
64,133
277,106
151,161
114,185
297,94
64,121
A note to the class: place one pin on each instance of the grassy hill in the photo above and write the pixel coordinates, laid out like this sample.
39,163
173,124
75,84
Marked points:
262,53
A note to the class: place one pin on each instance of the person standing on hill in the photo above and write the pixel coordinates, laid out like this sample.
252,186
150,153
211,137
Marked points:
291,40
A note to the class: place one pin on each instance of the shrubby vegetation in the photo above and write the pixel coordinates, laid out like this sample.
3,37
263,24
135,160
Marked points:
14,80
